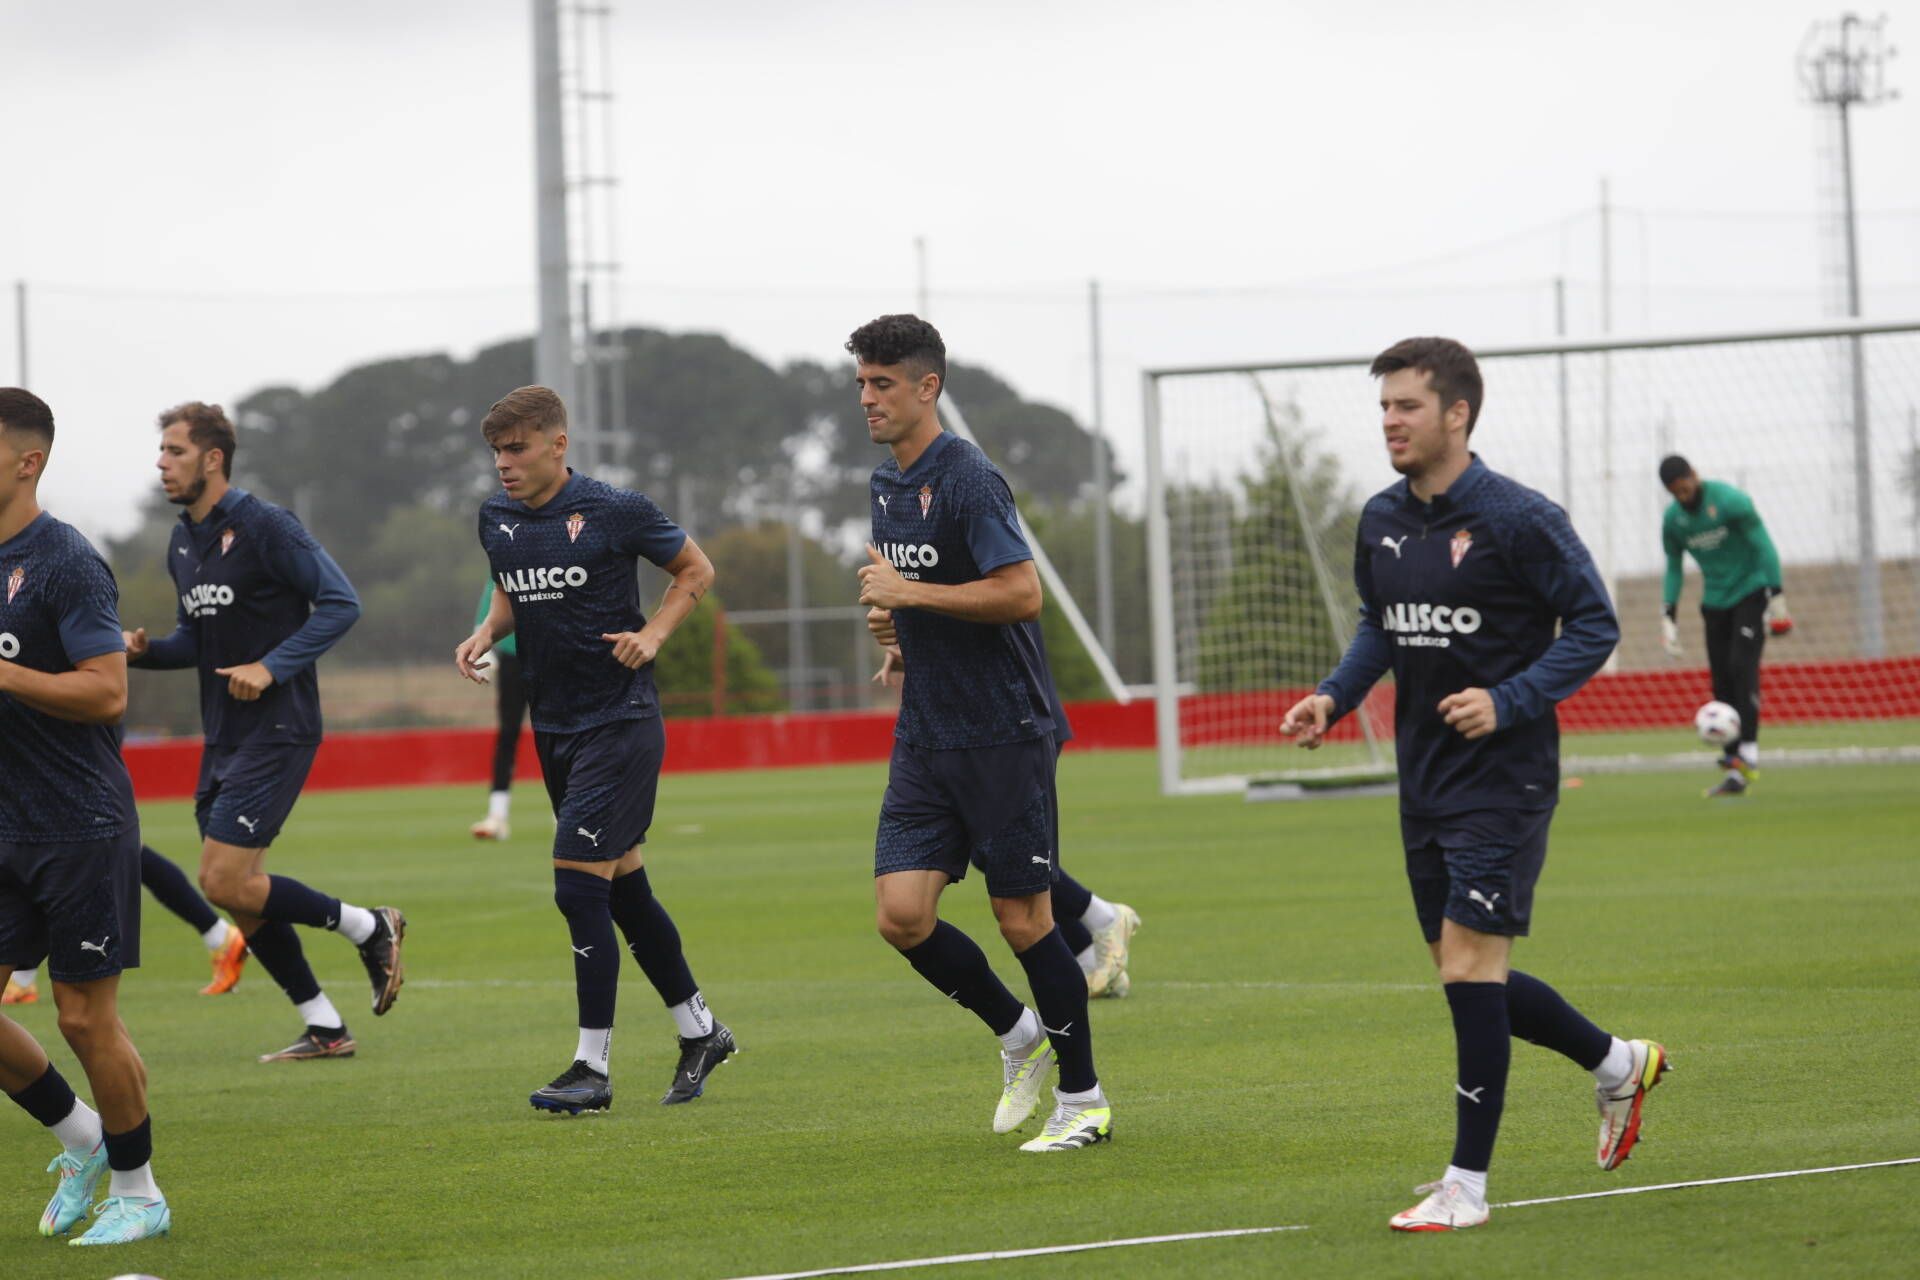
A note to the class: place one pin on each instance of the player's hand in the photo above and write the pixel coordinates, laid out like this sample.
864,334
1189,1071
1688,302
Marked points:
470,651
632,649
1779,621
892,665
881,585
1306,722
1670,637
880,626
246,683
1471,712
136,642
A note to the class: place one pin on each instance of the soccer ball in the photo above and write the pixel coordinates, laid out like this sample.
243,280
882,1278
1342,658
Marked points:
483,667
1718,724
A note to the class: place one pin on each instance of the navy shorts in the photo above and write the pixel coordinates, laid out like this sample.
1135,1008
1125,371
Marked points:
1476,869
602,782
991,807
76,906
246,792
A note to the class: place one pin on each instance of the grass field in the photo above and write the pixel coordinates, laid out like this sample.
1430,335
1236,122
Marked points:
1284,1058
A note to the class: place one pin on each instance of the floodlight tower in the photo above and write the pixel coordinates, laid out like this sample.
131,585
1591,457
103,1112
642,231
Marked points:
578,251
1843,65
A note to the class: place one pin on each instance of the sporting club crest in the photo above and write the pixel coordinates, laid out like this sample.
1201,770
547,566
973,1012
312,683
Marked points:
926,499
1461,544
15,581
575,523
226,541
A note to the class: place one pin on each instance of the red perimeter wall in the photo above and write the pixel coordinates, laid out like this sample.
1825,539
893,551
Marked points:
1868,690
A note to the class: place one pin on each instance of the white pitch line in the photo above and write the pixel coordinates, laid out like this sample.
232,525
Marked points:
1706,1182
1002,1255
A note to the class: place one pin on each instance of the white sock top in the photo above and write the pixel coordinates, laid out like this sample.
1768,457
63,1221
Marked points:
497,804
1099,913
135,1184
596,1043
1024,1032
356,924
1616,1068
216,937
1474,1184
80,1132
319,1012
691,1019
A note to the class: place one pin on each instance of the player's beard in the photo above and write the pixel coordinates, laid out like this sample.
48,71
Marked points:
191,494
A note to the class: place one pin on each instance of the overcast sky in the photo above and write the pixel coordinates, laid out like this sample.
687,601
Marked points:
209,197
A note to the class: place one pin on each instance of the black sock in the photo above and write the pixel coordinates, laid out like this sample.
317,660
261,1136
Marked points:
1539,1014
582,899
130,1150
1070,900
958,970
1484,1051
652,937
1078,937
171,889
1060,996
49,1099
277,947
289,900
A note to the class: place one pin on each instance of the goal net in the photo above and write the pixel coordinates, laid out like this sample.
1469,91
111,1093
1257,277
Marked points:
1256,475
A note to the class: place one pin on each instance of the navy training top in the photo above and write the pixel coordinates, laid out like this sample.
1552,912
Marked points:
63,782
950,518
253,586
570,571
1466,592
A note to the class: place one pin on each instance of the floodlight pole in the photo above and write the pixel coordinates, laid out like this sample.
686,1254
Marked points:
20,330
1102,487
1843,64
553,340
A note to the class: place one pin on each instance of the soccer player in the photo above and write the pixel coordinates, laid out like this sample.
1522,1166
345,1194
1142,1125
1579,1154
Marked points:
1098,932
1742,600
564,550
972,774
226,945
69,845
510,705
260,601
1463,576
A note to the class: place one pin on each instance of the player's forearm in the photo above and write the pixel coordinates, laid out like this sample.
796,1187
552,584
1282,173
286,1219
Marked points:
995,601
1670,585
85,696
682,597
499,617
1769,554
1585,641
331,619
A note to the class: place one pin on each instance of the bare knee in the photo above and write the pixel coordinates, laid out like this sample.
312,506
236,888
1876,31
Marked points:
1024,921
904,926
222,886
86,1028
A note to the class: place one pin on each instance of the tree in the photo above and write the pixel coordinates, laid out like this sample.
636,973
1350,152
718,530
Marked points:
1266,623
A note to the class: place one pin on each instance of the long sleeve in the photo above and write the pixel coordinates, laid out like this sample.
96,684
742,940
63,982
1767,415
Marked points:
1555,564
181,649
1755,530
1670,586
305,565
1369,656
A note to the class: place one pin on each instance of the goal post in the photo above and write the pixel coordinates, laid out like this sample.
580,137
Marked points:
1255,475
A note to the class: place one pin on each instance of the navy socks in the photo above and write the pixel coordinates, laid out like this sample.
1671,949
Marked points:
1482,1045
958,969
583,898
130,1150
1539,1014
293,902
49,1100
171,889
652,937
1060,997
277,947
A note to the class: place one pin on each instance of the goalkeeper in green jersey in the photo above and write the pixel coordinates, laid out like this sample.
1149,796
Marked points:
1742,602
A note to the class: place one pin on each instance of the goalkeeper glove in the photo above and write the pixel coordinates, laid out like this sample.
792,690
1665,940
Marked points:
1779,622
1670,634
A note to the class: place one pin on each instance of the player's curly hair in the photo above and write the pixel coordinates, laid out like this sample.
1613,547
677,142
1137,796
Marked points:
1451,371
901,339
535,408
21,410
207,427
